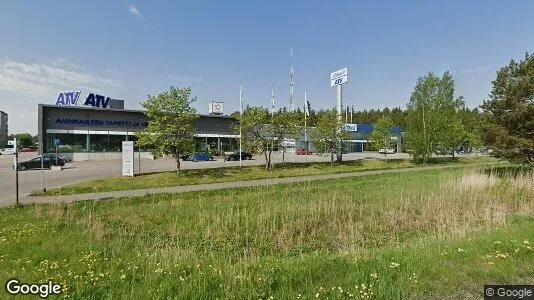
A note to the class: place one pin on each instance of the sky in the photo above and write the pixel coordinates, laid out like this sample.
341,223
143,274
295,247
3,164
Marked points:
128,49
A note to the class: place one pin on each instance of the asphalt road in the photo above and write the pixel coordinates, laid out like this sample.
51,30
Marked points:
86,170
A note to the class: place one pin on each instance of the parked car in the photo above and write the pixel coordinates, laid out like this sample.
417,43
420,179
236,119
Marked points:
53,157
235,156
198,157
386,151
304,151
26,150
35,163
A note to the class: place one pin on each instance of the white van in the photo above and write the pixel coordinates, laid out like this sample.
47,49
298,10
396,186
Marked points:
7,151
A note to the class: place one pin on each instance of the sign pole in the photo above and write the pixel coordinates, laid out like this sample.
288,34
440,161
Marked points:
16,170
339,120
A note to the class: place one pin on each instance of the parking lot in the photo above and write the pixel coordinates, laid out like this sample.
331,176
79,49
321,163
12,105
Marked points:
86,170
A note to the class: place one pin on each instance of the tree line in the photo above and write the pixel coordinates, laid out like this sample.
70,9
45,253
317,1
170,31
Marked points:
434,121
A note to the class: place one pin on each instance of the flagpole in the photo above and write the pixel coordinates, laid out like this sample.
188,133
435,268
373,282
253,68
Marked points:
351,113
240,121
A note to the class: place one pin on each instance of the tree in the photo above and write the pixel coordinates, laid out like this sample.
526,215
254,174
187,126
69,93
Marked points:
433,122
170,127
509,112
254,132
327,135
24,140
284,125
381,136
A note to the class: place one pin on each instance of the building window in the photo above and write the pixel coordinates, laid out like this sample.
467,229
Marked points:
68,142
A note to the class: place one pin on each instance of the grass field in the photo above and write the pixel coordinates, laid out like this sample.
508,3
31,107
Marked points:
424,234
198,176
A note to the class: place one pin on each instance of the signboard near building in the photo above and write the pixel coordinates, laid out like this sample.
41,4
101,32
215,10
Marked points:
71,98
128,158
351,127
339,77
216,108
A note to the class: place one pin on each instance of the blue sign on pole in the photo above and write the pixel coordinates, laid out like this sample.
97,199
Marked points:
57,142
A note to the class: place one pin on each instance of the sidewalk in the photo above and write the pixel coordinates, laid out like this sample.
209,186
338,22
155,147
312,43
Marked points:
223,185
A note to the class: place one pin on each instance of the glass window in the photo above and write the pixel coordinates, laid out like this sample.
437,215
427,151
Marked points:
115,142
99,142
68,142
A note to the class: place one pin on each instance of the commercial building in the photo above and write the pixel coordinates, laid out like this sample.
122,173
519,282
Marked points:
358,138
87,132
3,129
96,129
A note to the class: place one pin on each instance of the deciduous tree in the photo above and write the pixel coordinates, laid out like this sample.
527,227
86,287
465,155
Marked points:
170,127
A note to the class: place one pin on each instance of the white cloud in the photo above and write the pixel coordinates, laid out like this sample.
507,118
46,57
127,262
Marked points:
37,79
134,11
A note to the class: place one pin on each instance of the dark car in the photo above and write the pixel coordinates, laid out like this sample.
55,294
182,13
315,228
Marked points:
35,163
53,157
197,157
235,156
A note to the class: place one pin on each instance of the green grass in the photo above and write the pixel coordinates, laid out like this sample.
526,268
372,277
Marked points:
198,176
423,234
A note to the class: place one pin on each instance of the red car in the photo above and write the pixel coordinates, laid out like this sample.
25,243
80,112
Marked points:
304,151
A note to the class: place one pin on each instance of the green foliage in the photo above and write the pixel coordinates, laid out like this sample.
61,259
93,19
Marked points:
170,127
284,125
327,134
433,124
381,136
414,235
25,140
509,112
254,135
230,174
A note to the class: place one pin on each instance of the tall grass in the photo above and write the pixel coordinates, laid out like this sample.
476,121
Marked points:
388,232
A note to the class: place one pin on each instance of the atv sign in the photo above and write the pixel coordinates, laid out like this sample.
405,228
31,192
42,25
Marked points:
68,98
96,101
93,100
339,77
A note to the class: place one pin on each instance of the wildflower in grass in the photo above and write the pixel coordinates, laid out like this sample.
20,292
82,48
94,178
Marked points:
526,242
394,265
461,250
497,242
158,270
123,276
374,275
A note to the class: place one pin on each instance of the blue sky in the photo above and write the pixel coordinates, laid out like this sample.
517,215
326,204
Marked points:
127,49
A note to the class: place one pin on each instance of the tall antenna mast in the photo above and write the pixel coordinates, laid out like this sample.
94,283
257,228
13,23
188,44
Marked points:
292,85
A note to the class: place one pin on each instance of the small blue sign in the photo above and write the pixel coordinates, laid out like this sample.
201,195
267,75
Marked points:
57,142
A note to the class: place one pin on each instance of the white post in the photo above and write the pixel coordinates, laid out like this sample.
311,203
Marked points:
241,119
16,168
339,119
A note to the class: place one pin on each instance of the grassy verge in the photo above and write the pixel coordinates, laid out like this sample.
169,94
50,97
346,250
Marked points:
432,234
198,176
